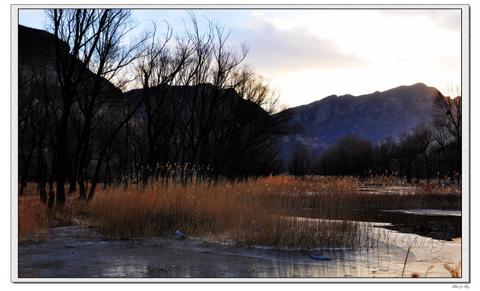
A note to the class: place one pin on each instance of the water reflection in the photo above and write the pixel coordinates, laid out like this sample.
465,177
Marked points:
263,263
166,258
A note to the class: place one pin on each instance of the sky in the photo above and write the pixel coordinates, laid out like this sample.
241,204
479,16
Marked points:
306,55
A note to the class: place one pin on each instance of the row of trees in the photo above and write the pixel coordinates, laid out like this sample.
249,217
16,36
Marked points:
191,111
423,153
197,112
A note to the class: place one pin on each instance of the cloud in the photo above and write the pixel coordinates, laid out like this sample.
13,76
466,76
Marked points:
450,20
450,63
272,48
445,19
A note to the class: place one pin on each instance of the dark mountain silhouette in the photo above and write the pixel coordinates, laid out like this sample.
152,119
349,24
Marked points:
374,117
36,46
36,51
317,125
226,101
37,56
200,124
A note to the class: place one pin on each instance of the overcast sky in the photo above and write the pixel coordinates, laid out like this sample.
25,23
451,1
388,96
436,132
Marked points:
309,54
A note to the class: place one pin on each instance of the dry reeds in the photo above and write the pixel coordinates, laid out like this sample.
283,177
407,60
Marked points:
237,213
252,212
406,259
34,218
454,271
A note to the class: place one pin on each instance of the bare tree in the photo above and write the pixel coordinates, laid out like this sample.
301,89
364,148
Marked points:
111,57
300,162
448,131
422,138
77,33
160,66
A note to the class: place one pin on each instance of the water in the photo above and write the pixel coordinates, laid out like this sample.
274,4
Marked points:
428,212
432,223
72,252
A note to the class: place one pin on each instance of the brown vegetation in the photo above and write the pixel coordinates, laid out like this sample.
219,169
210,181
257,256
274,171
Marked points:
34,217
455,270
242,213
253,212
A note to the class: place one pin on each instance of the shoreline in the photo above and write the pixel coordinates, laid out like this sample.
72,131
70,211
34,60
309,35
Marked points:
95,256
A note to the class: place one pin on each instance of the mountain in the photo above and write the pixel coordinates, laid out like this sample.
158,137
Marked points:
215,128
37,56
227,101
37,59
317,125
374,117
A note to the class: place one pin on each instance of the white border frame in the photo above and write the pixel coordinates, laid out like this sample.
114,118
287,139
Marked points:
465,92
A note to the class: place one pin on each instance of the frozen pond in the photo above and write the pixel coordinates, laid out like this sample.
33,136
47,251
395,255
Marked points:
433,223
72,252
429,212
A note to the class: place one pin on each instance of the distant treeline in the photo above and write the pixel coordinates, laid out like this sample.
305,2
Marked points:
426,152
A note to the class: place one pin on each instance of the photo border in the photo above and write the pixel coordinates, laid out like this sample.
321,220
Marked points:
466,131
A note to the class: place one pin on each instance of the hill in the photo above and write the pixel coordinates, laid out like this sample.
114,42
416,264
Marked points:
374,117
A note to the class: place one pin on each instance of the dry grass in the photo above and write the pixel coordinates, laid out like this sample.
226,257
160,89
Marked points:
35,218
239,213
454,271
249,213
428,270
439,187
406,259
435,186
337,197
32,219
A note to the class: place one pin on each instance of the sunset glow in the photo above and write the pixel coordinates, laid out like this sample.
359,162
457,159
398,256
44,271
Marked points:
310,54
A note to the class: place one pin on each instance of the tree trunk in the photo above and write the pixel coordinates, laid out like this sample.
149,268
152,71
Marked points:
427,167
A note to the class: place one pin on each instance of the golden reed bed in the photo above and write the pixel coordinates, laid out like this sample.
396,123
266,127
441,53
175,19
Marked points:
246,213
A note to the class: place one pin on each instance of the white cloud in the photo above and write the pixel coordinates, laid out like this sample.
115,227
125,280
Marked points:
310,54
358,51
275,49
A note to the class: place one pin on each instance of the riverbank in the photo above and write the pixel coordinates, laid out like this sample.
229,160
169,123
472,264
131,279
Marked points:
269,227
248,211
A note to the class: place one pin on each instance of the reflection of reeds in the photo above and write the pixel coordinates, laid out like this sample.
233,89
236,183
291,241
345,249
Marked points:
405,262
453,270
428,270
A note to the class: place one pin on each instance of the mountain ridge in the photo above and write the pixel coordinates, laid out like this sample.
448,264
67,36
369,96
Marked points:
373,117
318,125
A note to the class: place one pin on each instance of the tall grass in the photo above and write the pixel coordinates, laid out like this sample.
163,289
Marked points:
32,219
238,213
455,271
254,212
35,218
